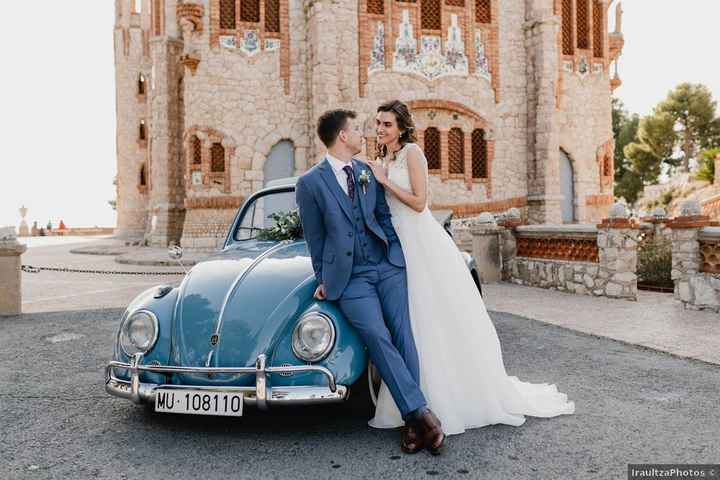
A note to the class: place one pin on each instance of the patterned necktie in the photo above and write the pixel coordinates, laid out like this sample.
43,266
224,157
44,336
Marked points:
350,182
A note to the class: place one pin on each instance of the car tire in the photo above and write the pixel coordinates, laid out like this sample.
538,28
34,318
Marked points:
363,393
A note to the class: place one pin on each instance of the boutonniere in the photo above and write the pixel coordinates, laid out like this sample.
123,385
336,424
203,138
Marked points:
364,179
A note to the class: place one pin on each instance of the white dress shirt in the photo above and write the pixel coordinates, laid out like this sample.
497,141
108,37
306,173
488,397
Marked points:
337,166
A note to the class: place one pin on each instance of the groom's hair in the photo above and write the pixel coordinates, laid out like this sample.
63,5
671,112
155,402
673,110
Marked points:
330,123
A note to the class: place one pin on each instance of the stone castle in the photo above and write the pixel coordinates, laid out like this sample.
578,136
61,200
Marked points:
215,98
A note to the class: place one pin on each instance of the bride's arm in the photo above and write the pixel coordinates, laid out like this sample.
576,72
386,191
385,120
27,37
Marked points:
417,198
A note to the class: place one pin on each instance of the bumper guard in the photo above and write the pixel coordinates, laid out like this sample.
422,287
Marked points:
261,395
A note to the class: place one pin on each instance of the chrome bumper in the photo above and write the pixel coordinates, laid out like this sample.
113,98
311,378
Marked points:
261,395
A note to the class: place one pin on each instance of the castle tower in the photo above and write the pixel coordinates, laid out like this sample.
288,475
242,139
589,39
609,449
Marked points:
511,102
132,80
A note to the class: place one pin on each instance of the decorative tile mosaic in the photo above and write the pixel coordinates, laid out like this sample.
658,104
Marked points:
377,55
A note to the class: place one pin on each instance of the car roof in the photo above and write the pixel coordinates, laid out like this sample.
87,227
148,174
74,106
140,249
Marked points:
282,182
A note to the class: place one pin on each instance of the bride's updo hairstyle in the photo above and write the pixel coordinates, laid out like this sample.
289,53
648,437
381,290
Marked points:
404,121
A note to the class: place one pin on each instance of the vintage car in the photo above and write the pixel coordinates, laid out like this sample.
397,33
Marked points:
243,329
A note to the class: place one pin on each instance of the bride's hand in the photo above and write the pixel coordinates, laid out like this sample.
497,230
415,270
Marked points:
378,171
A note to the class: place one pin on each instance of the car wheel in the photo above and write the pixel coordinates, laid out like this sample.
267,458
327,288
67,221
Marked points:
364,392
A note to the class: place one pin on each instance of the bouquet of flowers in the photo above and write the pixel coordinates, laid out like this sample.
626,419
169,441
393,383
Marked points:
287,227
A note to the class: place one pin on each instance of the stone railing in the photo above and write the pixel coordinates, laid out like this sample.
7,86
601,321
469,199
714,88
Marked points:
596,260
696,259
584,259
711,206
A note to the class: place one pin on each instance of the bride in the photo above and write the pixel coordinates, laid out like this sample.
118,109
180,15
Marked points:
461,367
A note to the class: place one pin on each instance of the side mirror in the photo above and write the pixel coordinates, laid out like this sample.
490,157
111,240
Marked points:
175,252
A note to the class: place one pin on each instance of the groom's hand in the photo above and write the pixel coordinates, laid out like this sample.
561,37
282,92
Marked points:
320,292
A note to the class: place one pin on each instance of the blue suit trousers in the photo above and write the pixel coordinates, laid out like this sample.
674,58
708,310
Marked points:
375,302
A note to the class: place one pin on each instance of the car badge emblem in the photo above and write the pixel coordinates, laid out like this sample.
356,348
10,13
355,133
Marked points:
214,340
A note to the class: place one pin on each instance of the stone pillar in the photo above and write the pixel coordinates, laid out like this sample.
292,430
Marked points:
717,169
617,252
10,293
486,248
508,241
686,257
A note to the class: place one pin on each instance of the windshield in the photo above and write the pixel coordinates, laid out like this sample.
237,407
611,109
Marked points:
256,214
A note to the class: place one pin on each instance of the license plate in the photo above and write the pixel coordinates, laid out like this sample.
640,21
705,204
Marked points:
199,402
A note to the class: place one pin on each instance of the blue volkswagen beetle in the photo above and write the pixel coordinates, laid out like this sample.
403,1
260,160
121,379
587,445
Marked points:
243,329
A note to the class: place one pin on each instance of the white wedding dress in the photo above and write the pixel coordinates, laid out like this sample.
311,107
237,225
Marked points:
461,368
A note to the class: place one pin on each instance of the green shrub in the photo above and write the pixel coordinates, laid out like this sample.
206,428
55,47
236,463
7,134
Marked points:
655,262
706,165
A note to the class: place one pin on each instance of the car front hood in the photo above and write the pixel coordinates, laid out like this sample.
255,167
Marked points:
232,306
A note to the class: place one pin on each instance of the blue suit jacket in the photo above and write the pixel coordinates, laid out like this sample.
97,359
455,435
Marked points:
326,216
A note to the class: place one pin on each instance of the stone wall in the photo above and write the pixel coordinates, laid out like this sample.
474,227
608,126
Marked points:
582,259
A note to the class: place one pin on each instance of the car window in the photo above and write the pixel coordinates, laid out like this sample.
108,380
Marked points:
256,215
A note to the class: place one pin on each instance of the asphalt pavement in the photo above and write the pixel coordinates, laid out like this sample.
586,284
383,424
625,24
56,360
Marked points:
633,405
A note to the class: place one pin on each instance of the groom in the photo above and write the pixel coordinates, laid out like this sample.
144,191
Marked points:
358,262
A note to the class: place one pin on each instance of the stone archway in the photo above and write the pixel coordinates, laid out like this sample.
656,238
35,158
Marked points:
280,162
567,188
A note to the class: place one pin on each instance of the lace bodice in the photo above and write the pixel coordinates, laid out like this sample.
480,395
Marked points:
397,172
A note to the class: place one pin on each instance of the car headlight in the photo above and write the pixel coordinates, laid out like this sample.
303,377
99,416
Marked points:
313,337
139,332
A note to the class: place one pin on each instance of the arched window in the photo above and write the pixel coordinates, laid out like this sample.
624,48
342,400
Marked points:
142,84
217,158
272,16
598,30
142,133
143,176
583,24
227,14
483,11
250,11
479,154
137,6
567,27
196,150
432,148
376,7
456,151
431,15
280,163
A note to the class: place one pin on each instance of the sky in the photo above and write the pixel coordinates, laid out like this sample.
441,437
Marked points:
57,96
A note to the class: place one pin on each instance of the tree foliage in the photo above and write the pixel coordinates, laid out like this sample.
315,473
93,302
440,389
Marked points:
671,136
628,183
706,164
682,125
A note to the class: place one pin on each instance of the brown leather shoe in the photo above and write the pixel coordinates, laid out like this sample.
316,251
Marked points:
431,432
410,441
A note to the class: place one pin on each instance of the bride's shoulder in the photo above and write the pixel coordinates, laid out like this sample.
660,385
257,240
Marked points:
415,149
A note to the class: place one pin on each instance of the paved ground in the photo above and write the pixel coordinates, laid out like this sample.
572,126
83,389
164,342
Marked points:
655,321
56,291
633,405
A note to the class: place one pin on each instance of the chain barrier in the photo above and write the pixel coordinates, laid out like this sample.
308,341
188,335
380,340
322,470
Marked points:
31,269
